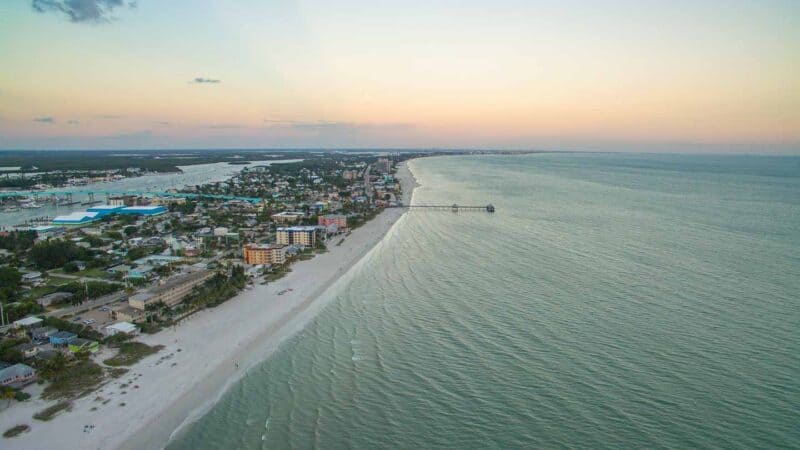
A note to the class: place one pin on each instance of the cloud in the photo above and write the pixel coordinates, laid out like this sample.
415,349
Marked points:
107,116
44,119
73,122
97,11
201,80
326,126
222,127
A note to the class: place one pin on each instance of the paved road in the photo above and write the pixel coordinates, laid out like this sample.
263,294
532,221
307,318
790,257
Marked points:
110,298
367,184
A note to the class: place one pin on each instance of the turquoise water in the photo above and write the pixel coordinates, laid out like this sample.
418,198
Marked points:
612,301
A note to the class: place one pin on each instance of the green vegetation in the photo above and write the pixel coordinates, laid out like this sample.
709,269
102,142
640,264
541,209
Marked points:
15,431
17,241
10,279
218,289
116,372
89,290
132,352
9,393
71,381
7,351
55,253
79,329
277,274
51,411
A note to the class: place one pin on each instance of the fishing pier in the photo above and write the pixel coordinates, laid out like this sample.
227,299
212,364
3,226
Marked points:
454,207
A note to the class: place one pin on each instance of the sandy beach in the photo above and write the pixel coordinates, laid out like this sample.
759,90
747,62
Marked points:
203,356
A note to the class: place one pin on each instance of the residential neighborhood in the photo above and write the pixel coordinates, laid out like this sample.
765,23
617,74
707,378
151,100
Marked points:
79,289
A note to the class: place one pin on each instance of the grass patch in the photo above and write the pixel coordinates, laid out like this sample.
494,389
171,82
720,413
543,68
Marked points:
117,372
16,431
51,411
75,381
131,353
277,274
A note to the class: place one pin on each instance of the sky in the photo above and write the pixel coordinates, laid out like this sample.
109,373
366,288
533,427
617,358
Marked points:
605,75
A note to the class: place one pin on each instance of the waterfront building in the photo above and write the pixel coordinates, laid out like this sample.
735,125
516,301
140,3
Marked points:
255,254
116,201
17,375
171,292
340,220
150,210
104,210
305,236
122,327
76,218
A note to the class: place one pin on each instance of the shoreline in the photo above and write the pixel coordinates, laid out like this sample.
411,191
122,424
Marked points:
206,354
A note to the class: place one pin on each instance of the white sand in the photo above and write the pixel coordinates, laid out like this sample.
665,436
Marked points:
174,391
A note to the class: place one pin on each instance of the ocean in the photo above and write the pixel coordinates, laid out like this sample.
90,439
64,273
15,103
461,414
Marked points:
611,301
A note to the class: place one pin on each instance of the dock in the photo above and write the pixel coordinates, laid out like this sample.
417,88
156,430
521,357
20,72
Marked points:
454,207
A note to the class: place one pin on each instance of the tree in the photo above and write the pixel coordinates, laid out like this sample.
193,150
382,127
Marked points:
130,230
55,253
10,277
70,267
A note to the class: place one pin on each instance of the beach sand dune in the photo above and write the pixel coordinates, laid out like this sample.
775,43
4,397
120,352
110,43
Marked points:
203,355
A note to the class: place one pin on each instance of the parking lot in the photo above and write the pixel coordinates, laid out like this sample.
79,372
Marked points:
97,318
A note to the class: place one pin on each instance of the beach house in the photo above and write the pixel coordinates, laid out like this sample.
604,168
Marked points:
17,375
62,338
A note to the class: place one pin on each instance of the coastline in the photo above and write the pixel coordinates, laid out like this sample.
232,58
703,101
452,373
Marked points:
204,355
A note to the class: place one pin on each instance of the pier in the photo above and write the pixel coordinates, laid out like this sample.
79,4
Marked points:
454,207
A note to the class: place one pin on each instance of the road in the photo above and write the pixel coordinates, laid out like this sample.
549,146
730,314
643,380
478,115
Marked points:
367,184
102,301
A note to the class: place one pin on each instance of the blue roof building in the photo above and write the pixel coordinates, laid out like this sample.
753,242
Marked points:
104,210
63,338
153,210
76,218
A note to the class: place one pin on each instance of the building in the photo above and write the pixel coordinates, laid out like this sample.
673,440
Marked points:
305,236
55,297
104,210
17,375
76,218
28,322
171,292
47,231
383,165
288,216
255,254
28,349
339,220
116,201
127,313
42,334
151,210
140,272
62,338
122,327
